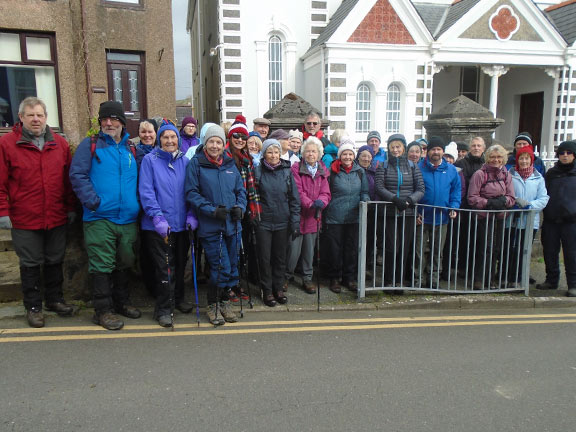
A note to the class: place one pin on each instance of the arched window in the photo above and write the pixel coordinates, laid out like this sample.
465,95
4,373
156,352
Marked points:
393,109
274,70
363,108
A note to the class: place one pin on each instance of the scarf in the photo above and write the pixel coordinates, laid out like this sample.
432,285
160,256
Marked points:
217,162
307,135
270,166
525,172
337,164
312,169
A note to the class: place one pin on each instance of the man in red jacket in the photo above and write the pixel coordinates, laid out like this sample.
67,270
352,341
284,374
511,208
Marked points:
36,201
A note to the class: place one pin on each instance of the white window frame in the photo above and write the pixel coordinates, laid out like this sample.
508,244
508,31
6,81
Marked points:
393,108
275,69
363,108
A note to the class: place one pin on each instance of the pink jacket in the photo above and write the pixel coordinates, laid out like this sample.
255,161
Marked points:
490,182
311,189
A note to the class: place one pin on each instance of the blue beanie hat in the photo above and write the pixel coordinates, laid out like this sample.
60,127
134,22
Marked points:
203,131
256,134
367,148
163,128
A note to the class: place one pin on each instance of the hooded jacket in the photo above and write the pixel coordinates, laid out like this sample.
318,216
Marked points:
106,182
561,184
347,190
208,186
161,188
399,177
311,189
442,189
533,190
490,182
35,190
279,197
330,154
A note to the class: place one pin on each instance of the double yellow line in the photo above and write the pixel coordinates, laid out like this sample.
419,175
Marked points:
254,327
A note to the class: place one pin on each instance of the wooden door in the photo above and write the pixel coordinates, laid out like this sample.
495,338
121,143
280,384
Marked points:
531,111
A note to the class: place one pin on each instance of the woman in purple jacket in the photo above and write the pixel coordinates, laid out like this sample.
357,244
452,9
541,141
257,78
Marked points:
490,189
311,178
166,221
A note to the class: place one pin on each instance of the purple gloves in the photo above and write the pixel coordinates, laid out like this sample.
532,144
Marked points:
191,222
161,226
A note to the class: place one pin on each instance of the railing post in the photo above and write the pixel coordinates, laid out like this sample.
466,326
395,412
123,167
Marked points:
362,227
527,250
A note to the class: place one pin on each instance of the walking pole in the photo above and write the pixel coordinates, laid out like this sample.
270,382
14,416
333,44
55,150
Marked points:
217,321
168,272
193,257
254,243
243,261
238,268
317,217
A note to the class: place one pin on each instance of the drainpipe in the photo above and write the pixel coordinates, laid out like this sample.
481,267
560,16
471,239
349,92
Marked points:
86,64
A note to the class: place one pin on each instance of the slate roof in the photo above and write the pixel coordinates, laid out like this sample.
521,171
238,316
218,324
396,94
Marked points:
433,15
337,18
456,11
563,17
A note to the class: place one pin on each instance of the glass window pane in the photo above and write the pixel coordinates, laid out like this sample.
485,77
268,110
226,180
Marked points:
393,109
124,57
274,70
38,48
124,1
133,83
10,43
363,108
117,85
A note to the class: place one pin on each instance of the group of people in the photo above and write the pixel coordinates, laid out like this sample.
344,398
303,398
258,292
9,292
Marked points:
259,194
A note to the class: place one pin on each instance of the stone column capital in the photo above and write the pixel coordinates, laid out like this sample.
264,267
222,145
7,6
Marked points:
495,70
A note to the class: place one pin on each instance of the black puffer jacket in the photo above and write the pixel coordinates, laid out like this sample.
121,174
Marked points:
279,197
399,177
561,184
469,165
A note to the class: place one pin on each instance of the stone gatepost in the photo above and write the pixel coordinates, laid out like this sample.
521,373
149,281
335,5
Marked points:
461,120
290,113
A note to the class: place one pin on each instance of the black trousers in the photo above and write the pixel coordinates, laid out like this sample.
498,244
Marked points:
169,276
489,253
555,235
340,253
272,246
399,236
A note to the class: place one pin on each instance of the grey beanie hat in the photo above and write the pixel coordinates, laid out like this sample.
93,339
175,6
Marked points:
214,131
374,134
397,137
271,142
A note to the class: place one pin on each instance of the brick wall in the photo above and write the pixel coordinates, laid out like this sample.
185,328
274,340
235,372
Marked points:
382,25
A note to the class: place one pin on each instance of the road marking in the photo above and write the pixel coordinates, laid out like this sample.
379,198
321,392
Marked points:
233,331
94,328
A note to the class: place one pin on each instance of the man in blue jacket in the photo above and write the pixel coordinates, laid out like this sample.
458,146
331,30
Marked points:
443,189
104,176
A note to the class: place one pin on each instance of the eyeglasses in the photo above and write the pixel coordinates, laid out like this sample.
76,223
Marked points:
565,152
311,123
237,135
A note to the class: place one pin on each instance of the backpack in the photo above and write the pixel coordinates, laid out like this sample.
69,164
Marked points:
94,140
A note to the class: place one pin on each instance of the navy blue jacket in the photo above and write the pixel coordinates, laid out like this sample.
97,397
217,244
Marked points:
106,182
347,190
442,189
561,184
208,186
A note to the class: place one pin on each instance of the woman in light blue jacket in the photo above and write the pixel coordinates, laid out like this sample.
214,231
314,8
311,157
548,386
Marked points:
530,193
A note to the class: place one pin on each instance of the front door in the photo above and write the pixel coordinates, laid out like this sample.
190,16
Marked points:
126,85
531,110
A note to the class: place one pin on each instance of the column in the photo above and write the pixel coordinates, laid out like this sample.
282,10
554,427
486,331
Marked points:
495,72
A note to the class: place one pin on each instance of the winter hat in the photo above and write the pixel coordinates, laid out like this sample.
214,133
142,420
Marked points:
524,136
462,146
163,128
346,144
525,149
452,150
239,126
256,134
294,133
187,120
367,148
436,141
279,134
374,134
213,131
397,137
567,146
203,131
412,144
112,109
261,120
270,142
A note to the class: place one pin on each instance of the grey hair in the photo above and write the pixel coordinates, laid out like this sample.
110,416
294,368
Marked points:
146,124
32,101
496,148
313,141
313,114
337,136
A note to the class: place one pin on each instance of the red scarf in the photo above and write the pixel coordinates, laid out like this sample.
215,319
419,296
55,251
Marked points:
217,162
337,164
307,135
525,172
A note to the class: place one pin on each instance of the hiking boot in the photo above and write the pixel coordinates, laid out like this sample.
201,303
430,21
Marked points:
212,314
335,286
108,320
309,287
227,312
546,286
268,299
60,308
35,318
184,306
165,321
571,292
352,286
129,311
281,297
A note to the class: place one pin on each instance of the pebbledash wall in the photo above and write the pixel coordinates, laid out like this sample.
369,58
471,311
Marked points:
128,29
395,59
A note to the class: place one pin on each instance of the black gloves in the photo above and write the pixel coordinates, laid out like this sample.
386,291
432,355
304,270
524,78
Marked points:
220,213
497,203
295,231
236,213
400,204
410,202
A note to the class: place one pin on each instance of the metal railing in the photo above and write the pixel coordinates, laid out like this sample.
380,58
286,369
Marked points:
478,251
